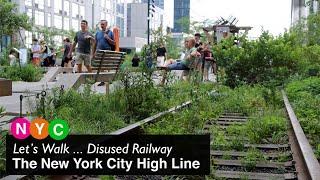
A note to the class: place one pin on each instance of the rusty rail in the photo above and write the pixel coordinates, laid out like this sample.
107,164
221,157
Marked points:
124,131
309,161
150,119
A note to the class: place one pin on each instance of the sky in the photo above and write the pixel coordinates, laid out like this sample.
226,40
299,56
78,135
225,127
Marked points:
272,15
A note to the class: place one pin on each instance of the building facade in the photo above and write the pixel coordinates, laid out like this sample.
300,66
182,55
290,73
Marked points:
303,8
159,3
67,15
137,24
181,10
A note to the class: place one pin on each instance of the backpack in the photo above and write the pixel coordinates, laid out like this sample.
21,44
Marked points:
113,47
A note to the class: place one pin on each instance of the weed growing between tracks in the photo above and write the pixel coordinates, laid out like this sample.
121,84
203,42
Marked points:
267,122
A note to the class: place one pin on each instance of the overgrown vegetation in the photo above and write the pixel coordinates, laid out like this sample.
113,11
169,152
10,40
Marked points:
136,99
304,95
271,60
27,73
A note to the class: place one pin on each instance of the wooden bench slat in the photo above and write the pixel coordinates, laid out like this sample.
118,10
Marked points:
105,63
111,52
109,58
105,68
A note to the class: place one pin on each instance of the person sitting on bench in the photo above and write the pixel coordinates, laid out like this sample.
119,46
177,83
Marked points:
188,60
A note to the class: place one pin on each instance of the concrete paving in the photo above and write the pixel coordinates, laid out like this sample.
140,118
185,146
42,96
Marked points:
53,80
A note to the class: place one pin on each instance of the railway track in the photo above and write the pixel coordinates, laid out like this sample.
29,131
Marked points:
232,164
293,159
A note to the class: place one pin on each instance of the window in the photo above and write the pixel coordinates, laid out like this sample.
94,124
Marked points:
49,3
75,10
103,3
108,18
28,2
102,15
75,24
29,13
49,22
66,25
58,6
39,4
108,4
58,21
39,18
28,40
81,11
66,8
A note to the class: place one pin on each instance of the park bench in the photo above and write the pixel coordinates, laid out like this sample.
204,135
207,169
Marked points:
5,87
107,60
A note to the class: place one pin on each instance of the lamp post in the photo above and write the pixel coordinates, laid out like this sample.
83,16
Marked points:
149,17
148,24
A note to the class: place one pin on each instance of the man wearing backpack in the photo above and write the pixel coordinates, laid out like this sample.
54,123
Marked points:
104,40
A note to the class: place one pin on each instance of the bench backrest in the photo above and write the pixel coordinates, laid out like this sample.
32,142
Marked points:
107,60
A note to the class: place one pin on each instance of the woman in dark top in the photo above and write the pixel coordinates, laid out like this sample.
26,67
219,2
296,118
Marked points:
135,60
161,55
45,51
65,59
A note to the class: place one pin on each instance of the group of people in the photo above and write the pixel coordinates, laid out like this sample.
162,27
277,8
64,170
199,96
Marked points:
87,43
42,54
196,55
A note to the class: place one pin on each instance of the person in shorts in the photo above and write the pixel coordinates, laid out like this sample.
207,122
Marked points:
36,49
103,40
84,39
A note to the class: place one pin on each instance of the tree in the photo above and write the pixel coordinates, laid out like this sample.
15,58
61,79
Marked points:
184,23
10,20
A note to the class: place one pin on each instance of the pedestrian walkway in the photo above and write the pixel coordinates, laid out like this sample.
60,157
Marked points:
52,79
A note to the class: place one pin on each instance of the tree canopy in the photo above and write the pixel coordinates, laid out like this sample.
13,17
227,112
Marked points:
10,20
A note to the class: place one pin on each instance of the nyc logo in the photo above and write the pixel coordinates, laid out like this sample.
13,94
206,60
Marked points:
39,128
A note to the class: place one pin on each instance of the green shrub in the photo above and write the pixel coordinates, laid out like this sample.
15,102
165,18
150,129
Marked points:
304,95
27,73
267,60
30,73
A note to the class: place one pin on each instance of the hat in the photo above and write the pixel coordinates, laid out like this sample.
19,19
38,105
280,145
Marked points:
197,34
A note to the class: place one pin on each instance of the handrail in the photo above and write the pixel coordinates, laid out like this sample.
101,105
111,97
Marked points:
310,161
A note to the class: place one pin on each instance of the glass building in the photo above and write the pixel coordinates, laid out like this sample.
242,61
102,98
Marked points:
181,10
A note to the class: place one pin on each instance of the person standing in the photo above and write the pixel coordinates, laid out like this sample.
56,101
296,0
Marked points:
35,49
65,59
12,57
52,57
104,39
84,39
45,53
198,42
161,55
135,60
